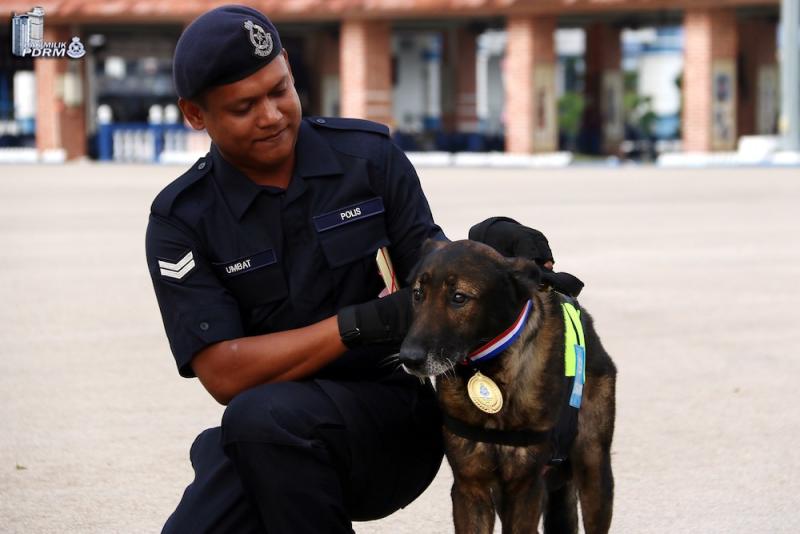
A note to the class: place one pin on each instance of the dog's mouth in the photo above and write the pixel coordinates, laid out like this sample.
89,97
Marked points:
434,363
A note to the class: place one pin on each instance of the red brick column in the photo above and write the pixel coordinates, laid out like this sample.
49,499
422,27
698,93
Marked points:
760,97
326,68
459,102
709,80
466,112
604,86
530,104
59,124
365,70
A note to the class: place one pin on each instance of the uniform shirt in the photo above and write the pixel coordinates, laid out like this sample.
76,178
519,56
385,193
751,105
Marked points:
230,258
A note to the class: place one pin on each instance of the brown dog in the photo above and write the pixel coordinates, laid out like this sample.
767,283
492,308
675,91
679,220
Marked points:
509,462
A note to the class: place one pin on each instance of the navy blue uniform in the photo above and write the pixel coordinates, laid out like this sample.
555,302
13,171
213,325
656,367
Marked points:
230,258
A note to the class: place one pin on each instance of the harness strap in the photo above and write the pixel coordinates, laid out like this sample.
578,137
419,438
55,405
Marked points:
575,375
514,438
574,348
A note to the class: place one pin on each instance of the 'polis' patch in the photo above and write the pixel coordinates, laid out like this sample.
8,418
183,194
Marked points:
348,214
246,264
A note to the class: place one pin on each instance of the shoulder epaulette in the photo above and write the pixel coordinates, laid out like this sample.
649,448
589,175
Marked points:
338,123
162,205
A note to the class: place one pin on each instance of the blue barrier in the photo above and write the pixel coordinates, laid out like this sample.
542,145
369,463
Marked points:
138,142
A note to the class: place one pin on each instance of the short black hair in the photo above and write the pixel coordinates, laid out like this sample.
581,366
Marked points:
200,99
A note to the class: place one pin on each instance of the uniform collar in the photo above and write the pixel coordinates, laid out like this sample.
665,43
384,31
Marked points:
314,158
239,190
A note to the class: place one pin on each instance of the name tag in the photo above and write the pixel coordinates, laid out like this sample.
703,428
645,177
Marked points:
348,214
247,264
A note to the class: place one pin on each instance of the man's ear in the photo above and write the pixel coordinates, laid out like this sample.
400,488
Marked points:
193,113
285,55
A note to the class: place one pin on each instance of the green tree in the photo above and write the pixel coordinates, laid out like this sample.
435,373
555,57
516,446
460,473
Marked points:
570,111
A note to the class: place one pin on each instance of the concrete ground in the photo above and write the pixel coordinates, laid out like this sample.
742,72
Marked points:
691,276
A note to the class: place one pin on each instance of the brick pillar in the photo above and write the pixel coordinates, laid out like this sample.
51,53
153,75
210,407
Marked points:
603,117
466,116
709,80
326,69
365,70
459,102
530,103
759,98
60,100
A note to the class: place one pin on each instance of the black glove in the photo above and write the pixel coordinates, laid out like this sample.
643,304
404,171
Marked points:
562,282
382,321
511,239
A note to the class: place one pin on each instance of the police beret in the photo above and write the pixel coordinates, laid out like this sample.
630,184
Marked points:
222,46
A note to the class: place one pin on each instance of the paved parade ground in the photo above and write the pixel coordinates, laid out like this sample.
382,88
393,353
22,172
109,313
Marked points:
691,275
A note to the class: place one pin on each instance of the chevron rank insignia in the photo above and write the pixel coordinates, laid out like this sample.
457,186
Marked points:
179,269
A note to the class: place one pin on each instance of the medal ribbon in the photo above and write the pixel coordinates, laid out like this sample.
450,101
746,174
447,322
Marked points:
502,341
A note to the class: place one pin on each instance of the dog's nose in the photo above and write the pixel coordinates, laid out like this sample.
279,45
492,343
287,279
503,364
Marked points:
411,353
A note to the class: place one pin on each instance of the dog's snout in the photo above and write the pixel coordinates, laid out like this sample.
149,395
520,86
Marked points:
412,354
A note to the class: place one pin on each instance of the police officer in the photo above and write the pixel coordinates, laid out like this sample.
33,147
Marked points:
262,257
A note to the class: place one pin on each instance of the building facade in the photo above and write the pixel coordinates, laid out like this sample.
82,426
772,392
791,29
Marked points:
466,75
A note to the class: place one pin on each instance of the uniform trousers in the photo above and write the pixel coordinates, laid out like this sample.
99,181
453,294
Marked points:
311,457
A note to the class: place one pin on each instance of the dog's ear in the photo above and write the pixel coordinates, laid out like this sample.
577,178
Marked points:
531,276
525,271
429,246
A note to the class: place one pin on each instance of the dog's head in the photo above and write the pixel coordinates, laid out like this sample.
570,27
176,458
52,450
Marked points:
464,295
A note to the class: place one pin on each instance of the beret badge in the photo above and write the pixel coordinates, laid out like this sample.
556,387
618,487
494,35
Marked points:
260,39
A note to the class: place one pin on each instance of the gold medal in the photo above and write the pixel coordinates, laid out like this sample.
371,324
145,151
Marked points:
484,393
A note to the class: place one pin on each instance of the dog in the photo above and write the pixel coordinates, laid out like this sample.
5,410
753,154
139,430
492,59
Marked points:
464,295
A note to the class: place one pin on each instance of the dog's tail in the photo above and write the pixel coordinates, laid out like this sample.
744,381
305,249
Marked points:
561,509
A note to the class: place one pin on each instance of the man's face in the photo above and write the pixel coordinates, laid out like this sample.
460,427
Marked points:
254,121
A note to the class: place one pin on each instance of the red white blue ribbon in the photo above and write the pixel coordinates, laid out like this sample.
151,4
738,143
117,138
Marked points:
503,341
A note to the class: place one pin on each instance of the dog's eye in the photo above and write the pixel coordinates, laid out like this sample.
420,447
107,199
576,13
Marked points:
459,298
417,294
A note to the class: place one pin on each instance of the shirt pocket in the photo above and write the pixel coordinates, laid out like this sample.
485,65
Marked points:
254,279
352,232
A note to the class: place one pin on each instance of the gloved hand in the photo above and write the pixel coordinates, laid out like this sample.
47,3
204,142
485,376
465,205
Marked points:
511,239
382,321
563,283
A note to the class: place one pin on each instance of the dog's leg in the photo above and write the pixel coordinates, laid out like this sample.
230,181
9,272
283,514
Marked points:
595,488
473,511
521,505
561,510
591,454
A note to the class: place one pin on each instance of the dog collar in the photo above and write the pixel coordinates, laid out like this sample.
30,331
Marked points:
503,341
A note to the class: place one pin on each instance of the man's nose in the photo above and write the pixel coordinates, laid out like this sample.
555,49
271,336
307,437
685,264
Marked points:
269,113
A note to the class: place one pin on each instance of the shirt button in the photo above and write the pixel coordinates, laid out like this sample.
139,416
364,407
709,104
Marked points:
202,165
320,121
204,326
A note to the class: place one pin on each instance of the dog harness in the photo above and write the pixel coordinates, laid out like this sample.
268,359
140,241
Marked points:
574,349
563,433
